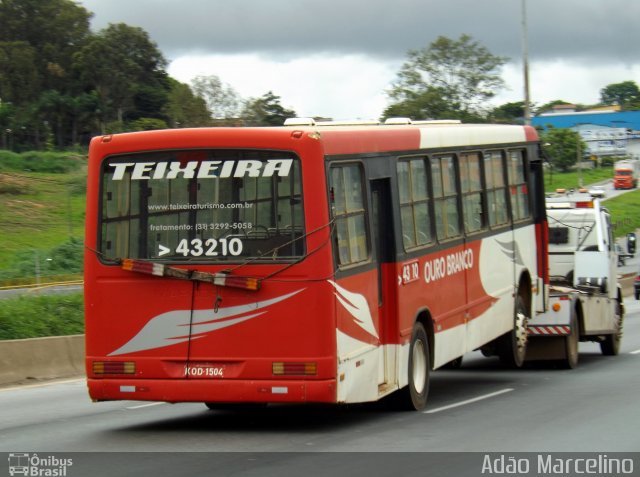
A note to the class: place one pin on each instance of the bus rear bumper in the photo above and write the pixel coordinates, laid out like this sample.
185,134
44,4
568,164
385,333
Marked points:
222,391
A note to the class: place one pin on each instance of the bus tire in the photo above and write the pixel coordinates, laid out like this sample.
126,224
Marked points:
236,406
570,360
416,392
513,346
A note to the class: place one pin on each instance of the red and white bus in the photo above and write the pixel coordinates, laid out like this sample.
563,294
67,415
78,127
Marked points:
310,262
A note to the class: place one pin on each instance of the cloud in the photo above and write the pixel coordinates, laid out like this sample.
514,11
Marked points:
340,87
337,58
571,81
379,28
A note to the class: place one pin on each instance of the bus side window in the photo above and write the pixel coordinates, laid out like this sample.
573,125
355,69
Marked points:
518,185
472,203
496,188
414,203
445,197
347,207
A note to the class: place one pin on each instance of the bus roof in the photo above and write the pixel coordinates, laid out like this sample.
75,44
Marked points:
336,138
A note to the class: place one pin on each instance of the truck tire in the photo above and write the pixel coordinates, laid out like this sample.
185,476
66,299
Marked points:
570,360
513,346
610,345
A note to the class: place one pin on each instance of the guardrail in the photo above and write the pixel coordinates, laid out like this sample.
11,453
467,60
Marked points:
42,285
41,358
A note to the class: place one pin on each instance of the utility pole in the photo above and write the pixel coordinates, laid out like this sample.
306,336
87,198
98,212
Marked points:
525,67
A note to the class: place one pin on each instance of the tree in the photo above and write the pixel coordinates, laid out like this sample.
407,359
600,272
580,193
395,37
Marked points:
561,146
126,70
185,109
430,103
508,113
550,105
37,42
450,78
222,100
625,94
53,28
266,111
19,78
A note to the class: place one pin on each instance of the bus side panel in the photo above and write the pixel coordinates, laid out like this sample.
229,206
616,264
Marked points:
437,286
490,290
358,333
527,246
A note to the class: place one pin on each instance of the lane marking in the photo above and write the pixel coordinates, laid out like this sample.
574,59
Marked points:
146,405
468,401
635,352
42,385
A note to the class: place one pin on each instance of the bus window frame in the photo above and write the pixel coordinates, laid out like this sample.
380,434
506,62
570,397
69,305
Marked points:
505,187
100,219
526,181
366,193
429,200
453,154
484,225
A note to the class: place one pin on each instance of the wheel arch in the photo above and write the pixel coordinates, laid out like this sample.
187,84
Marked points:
524,290
579,311
424,317
620,301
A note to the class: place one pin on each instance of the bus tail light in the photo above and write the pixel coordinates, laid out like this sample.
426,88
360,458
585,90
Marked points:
114,367
220,279
246,283
151,268
294,369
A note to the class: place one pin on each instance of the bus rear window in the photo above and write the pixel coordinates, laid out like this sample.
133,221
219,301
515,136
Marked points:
204,205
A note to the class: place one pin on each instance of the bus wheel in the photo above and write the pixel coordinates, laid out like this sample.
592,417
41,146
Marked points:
570,360
513,347
236,406
419,369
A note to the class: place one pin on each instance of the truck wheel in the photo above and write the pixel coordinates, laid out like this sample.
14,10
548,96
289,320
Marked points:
610,346
571,343
513,346
415,394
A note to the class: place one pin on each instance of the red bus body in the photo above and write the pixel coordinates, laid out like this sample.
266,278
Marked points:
305,328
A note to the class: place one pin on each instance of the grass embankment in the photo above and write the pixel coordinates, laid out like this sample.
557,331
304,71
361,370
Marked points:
42,202
42,196
625,213
38,316
571,180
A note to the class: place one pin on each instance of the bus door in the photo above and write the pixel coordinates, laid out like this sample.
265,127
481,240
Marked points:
384,255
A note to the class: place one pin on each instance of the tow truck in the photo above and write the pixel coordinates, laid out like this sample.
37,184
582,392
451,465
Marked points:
584,297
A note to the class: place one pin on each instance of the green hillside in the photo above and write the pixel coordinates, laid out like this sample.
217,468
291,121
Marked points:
42,198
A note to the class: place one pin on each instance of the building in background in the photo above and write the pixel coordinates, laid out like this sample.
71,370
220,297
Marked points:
607,132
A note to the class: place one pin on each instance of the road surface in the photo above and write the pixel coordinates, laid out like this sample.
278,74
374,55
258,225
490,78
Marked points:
480,408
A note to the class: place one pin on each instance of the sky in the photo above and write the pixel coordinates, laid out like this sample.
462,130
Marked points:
338,58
